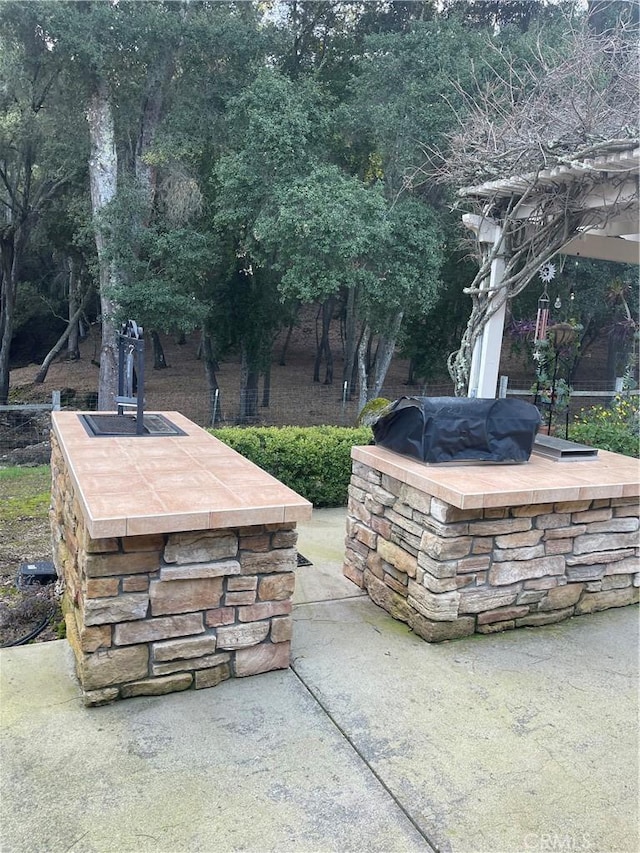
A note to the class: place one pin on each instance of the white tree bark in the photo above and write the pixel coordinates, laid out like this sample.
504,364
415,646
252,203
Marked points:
103,173
386,348
363,394
372,379
73,339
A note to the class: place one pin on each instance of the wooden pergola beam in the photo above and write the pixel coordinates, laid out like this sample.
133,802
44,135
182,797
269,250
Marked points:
609,231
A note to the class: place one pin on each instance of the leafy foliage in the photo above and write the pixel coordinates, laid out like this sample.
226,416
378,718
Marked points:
262,160
321,231
428,338
407,90
164,268
313,461
616,428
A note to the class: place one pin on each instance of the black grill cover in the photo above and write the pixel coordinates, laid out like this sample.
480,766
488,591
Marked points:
459,429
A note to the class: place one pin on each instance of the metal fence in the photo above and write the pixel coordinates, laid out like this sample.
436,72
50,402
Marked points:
24,429
313,405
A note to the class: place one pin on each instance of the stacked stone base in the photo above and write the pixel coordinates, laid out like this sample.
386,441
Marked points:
148,615
449,573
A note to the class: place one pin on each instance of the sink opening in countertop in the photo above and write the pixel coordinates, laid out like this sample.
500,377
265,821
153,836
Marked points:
109,426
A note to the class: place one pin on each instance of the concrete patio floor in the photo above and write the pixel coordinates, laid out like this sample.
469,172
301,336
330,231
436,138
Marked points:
373,741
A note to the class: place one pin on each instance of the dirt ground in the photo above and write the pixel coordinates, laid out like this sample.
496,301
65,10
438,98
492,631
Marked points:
294,399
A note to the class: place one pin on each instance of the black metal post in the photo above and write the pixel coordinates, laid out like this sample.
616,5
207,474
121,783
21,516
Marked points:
120,371
139,347
131,338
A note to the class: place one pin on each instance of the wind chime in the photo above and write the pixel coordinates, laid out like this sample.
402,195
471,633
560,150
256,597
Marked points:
542,318
547,274
547,336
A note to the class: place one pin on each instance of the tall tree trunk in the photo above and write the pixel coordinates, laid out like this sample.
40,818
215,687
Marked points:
41,375
323,348
73,345
372,374
411,378
617,358
7,307
285,346
19,219
249,376
327,316
8,289
210,368
317,363
353,382
103,168
266,387
146,174
159,361
351,342
328,376
384,354
363,371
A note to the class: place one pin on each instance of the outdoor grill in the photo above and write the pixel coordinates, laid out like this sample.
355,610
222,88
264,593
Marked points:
459,429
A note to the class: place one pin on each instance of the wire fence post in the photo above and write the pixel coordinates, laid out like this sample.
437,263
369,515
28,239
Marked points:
345,388
215,407
502,390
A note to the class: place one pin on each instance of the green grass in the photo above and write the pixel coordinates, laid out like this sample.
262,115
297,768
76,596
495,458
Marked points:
24,492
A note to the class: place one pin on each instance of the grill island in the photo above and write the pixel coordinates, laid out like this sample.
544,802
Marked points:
177,556
457,549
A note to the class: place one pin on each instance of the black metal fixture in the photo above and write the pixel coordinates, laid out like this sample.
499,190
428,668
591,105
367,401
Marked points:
130,394
131,372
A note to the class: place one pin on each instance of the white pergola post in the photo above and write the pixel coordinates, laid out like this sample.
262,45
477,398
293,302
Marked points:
485,361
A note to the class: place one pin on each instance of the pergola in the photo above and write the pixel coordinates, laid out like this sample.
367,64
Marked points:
595,203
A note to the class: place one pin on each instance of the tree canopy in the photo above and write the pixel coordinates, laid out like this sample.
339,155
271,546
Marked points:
212,166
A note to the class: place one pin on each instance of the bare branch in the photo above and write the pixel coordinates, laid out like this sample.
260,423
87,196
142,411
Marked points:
561,108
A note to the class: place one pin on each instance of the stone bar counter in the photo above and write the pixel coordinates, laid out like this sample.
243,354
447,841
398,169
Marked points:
177,557
458,549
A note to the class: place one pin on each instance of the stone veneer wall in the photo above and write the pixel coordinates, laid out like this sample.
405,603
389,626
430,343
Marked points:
155,614
449,572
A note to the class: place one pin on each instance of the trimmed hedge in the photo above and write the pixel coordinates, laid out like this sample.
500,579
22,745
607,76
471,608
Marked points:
313,461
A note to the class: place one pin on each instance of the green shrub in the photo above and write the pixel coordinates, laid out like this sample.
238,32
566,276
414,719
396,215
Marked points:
614,428
313,461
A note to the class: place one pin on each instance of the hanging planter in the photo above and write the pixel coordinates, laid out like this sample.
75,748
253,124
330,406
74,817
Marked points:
562,335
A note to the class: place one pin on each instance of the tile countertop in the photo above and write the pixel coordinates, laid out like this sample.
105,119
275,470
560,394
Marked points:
540,480
133,485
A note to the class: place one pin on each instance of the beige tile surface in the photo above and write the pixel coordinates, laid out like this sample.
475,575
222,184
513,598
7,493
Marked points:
540,480
145,484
